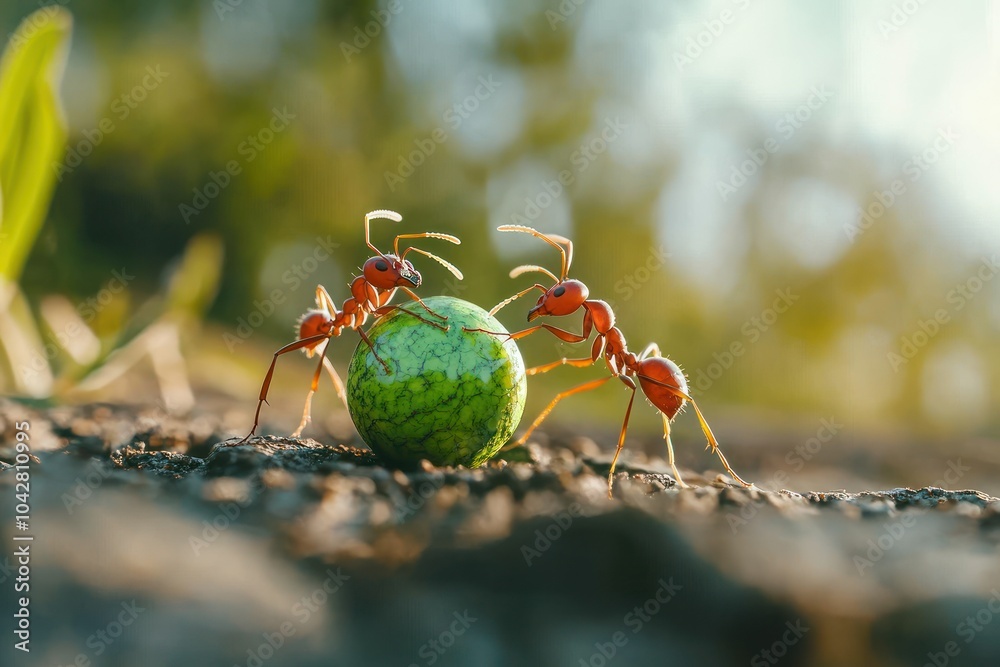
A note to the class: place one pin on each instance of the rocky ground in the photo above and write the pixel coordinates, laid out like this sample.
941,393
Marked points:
158,541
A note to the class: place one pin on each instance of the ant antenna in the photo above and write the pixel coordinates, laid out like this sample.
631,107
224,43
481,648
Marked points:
446,264
528,268
430,235
560,243
381,214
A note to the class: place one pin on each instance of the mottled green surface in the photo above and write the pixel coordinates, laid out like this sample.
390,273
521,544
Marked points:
453,397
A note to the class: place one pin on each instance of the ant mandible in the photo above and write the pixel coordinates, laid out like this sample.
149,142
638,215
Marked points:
659,378
382,275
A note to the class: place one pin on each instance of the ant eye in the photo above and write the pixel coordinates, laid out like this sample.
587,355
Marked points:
381,266
559,291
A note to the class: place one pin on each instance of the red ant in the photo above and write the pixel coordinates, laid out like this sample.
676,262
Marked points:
660,379
382,275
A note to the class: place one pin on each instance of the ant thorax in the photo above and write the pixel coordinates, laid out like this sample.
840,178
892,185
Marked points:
602,315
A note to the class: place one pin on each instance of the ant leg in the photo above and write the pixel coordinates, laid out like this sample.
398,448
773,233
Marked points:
629,382
338,384
652,350
423,305
371,346
545,368
325,301
586,386
262,398
713,444
382,298
561,334
596,352
492,333
385,310
670,452
307,411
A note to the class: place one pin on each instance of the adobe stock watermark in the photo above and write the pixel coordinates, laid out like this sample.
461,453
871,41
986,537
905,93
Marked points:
635,620
968,628
779,649
86,310
955,472
6,569
103,638
580,160
249,150
32,23
894,531
633,281
958,297
901,14
363,37
452,286
752,330
85,486
711,29
418,497
796,459
425,147
301,612
223,7
433,649
913,170
121,108
227,515
785,128
807,451
562,13
544,539
293,278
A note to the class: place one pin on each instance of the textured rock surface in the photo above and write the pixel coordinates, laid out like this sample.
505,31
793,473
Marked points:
453,397
320,551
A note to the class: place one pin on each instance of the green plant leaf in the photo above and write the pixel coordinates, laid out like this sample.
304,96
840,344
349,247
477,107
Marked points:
32,130
195,282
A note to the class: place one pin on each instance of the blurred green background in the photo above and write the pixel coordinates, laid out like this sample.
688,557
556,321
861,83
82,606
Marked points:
797,203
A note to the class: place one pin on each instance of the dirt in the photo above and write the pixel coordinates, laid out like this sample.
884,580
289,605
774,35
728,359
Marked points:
287,551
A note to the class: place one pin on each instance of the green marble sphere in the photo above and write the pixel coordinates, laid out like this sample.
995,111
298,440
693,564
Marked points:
452,398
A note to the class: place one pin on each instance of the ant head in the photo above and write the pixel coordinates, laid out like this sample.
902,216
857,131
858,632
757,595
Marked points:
563,298
314,323
388,271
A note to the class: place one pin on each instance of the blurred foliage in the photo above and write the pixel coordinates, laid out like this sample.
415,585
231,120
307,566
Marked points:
32,134
32,139
172,108
32,131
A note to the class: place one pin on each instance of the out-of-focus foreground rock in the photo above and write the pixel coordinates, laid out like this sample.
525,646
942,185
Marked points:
155,545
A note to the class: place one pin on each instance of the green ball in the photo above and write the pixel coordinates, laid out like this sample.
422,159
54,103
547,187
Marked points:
453,397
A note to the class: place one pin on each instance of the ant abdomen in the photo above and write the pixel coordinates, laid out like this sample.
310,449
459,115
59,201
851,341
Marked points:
314,323
656,370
